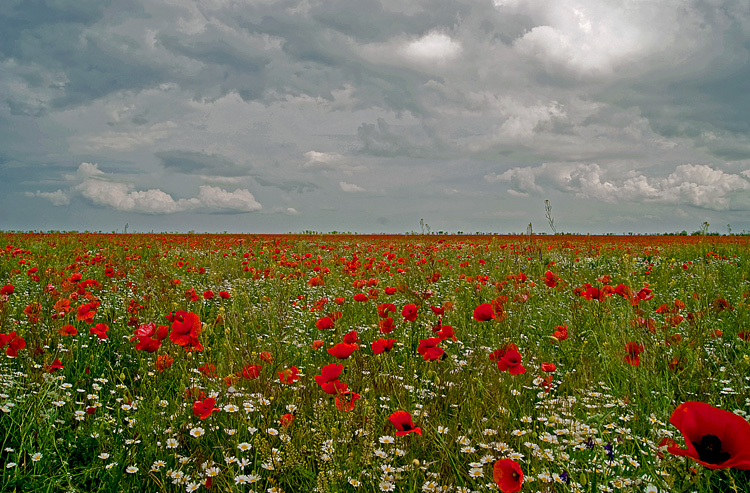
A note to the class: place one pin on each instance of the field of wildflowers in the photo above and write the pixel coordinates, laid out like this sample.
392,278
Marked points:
374,363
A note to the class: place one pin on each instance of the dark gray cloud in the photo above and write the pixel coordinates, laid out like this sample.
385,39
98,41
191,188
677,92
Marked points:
337,113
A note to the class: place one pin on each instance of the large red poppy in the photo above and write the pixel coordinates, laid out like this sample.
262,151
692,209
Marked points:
14,342
7,290
382,345
324,323
342,350
403,423
508,475
714,437
345,401
429,349
385,308
186,328
409,312
484,312
288,376
386,326
99,330
508,359
204,409
329,373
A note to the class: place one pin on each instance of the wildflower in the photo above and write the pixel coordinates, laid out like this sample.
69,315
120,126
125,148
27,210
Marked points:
288,376
244,446
403,423
204,409
131,469
163,361
342,350
36,457
324,323
172,443
508,359
633,349
345,400
409,312
382,345
197,432
429,349
508,475
715,438
484,313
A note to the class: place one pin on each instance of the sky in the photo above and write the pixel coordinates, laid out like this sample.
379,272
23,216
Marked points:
375,116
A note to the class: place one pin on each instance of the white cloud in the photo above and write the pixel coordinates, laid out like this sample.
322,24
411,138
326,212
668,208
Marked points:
434,46
217,198
698,185
330,160
104,190
58,197
350,188
124,140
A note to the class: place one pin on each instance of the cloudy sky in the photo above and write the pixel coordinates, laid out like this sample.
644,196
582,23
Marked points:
369,115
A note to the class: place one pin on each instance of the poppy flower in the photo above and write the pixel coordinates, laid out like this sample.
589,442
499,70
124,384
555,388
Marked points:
7,290
508,475
317,345
250,372
286,420
644,294
390,290
208,370
148,344
351,337
429,349
163,361
33,311
224,295
324,323
360,297
484,312
386,326
208,294
68,330
385,308
437,310
715,438
342,350
329,373
345,401
266,356
289,376
409,312
204,409
550,279
99,330
14,342
561,332
446,332
508,359
403,423
382,345
633,349
548,367
186,328
54,366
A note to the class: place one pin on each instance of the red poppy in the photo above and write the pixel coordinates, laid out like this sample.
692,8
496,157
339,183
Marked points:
382,345
561,332
342,350
744,335
68,330
14,342
385,308
208,294
437,310
99,330
633,349
204,409
386,326
550,279
7,290
317,345
360,297
484,312
148,344
208,370
329,373
224,295
266,356
288,376
644,294
403,423
446,332
186,328
33,311
286,420
250,372
163,361
429,349
508,475
324,323
54,366
548,367
345,401
409,312
390,290
715,438
508,359
351,337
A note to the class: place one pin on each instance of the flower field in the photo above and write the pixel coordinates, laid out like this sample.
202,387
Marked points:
255,363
